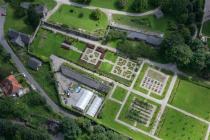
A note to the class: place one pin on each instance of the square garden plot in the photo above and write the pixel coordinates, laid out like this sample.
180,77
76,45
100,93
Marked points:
91,56
124,68
154,81
139,112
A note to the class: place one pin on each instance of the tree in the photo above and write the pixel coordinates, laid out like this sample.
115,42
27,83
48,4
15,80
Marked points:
70,129
82,1
139,5
181,54
96,14
198,60
33,17
120,4
34,99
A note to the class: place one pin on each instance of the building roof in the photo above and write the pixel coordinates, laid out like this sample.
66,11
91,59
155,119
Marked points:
25,5
40,9
10,85
81,78
158,14
94,107
154,40
19,38
34,63
84,100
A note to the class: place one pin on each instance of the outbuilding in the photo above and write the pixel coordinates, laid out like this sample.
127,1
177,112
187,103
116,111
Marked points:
34,63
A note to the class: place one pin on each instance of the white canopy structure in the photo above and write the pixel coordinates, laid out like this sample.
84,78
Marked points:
84,100
93,109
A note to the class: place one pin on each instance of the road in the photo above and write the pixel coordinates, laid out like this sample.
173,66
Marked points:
206,15
20,67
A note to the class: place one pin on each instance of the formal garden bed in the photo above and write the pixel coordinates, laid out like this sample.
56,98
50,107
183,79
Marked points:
107,117
80,19
124,68
155,83
139,112
175,125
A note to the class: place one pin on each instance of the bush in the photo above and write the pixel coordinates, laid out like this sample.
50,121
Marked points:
34,99
96,14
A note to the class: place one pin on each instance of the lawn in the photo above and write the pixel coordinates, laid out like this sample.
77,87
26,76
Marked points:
45,78
119,94
177,126
206,28
47,43
125,111
106,67
110,4
150,23
111,56
71,16
140,78
16,23
107,117
192,98
6,66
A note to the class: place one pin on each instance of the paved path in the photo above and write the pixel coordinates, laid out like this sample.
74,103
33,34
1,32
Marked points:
163,106
206,15
207,133
188,114
20,67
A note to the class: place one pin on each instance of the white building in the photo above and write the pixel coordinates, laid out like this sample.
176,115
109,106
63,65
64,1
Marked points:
94,107
84,100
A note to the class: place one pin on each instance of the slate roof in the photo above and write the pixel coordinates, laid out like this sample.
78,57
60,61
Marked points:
158,14
41,9
147,38
19,38
25,5
68,72
34,63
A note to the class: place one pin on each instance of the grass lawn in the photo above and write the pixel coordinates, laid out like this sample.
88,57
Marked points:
2,2
110,4
140,78
147,22
206,28
177,126
106,67
192,98
125,111
45,78
47,43
107,118
111,56
16,23
6,66
119,93
69,16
